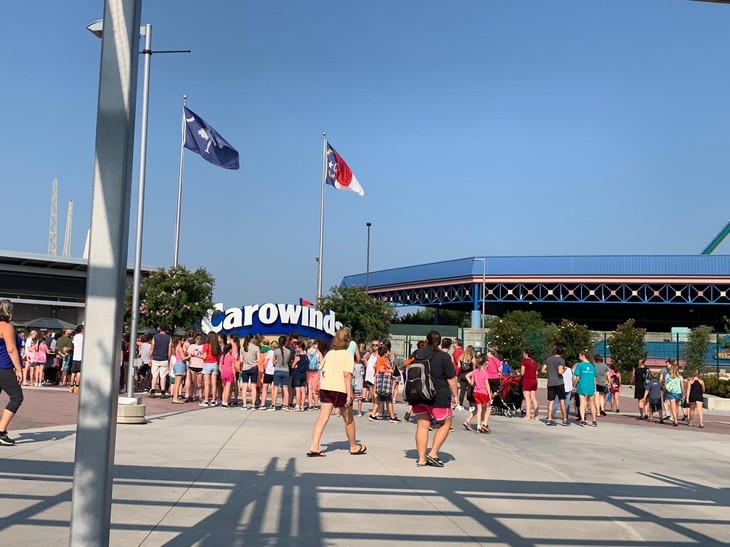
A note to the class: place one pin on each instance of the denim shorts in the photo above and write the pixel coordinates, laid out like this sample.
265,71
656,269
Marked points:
210,368
250,376
299,379
178,369
281,378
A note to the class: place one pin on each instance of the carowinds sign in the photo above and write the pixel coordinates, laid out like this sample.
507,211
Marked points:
271,318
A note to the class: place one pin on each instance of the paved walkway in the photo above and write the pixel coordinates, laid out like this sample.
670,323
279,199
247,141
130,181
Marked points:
50,406
220,477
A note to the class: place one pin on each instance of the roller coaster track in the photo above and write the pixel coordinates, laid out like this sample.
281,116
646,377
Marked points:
717,240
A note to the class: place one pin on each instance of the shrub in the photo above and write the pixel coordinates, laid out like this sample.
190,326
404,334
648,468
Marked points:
698,343
574,338
716,386
626,344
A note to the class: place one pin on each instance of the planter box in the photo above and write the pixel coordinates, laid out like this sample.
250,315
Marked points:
713,402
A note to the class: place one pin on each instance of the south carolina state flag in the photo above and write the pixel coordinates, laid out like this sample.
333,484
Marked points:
339,173
202,139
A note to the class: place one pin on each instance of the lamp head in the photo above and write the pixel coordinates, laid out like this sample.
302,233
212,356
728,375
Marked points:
96,27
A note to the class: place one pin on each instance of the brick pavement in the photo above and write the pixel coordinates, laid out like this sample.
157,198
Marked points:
51,406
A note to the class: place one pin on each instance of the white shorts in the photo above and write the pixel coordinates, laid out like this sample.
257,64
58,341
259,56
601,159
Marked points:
160,368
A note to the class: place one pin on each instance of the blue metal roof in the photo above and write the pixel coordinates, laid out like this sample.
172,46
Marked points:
622,265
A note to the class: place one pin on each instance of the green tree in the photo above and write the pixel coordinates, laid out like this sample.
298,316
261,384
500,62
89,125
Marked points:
506,338
176,297
519,330
366,316
574,338
626,345
695,351
427,316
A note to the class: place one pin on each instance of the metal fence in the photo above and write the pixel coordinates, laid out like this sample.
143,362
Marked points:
658,351
659,346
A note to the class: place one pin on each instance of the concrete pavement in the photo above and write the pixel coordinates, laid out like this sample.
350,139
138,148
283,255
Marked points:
228,477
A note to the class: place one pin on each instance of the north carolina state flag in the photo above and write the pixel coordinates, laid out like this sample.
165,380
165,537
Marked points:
339,173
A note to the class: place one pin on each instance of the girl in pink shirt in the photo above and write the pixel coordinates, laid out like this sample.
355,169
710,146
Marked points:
226,364
478,379
178,368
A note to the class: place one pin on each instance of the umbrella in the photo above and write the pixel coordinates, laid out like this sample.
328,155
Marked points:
50,323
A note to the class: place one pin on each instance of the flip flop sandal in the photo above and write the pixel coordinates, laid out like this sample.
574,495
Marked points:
434,462
466,426
311,454
421,464
361,449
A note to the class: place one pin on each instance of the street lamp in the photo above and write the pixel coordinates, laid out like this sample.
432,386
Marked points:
484,286
367,262
96,28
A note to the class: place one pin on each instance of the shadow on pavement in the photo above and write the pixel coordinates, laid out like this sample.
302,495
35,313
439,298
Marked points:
281,506
23,438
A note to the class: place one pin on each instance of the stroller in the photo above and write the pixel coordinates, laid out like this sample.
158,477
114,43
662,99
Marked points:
508,402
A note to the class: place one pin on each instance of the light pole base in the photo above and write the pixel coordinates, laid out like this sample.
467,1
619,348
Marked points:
476,319
130,411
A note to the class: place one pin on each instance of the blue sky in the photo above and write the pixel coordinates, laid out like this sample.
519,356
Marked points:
500,127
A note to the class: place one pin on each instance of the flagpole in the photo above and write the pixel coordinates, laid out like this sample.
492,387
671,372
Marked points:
179,188
321,219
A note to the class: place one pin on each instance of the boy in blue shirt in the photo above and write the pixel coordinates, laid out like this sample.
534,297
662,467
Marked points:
584,380
654,394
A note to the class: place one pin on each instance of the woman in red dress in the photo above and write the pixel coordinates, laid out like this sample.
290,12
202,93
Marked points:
528,371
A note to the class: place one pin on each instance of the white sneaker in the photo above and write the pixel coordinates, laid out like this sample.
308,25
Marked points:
459,408
472,409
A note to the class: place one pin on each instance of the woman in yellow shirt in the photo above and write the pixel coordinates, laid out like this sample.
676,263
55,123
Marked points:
336,392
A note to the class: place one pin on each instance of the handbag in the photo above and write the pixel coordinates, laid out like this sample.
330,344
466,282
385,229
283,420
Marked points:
383,384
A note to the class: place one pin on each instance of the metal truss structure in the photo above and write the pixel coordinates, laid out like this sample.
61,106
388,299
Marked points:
464,293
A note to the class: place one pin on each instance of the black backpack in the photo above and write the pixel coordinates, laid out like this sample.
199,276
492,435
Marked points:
419,388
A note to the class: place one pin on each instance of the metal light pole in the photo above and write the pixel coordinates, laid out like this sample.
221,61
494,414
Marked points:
96,28
367,262
140,207
484,287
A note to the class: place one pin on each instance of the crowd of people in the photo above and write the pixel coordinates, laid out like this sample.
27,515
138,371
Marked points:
48,359
228,371
666,392
295,375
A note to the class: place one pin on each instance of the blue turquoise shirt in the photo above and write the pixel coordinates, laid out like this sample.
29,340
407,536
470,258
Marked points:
586,374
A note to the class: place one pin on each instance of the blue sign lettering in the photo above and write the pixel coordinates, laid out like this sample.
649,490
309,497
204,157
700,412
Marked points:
271,319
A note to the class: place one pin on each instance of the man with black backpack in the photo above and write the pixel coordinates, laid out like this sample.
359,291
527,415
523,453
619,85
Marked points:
431,390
